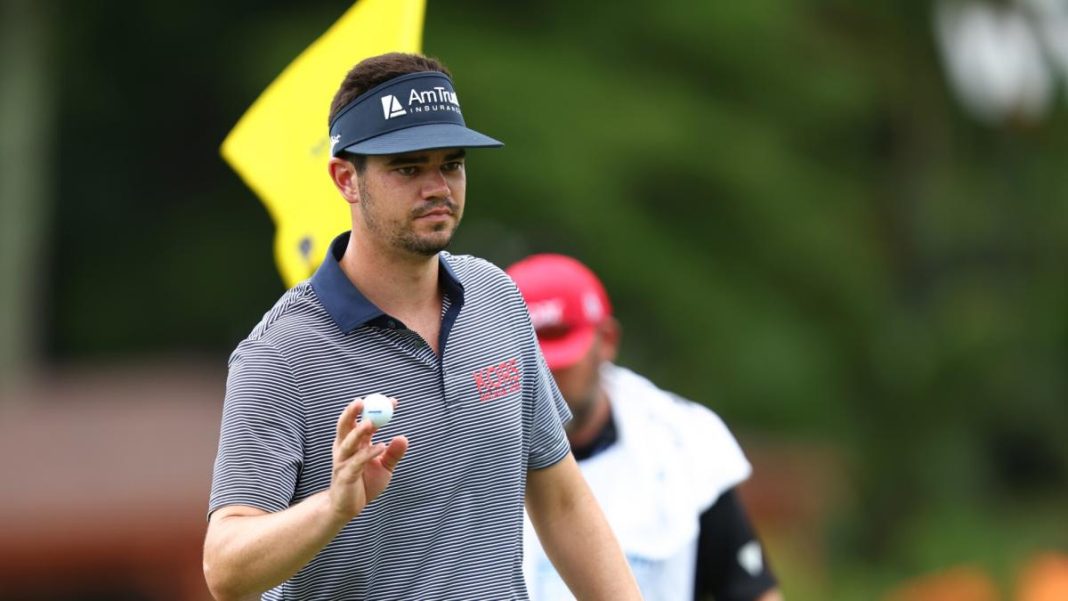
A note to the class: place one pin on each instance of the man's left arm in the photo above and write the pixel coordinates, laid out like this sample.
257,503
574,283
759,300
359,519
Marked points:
575,534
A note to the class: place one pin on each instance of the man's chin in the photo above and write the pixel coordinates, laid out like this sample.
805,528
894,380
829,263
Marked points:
429,246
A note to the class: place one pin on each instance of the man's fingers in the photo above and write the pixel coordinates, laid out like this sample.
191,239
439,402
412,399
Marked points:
396,449
347,420
351,467
357,438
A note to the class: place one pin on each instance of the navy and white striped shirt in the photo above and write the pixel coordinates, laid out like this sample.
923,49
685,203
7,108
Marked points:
477,416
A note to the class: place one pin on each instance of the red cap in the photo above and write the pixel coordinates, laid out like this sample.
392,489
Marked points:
566,303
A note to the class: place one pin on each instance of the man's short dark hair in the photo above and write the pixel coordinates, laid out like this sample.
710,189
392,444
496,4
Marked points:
372,71
358,160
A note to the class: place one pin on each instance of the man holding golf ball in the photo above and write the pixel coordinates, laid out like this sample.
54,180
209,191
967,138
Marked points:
397,350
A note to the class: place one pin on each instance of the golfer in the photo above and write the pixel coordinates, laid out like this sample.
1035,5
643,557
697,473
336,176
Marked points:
308,501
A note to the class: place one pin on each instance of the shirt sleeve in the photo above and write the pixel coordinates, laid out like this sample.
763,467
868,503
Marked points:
731,565
261,445
550,412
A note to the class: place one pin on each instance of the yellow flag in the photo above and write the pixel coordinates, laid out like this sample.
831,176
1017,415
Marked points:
281,146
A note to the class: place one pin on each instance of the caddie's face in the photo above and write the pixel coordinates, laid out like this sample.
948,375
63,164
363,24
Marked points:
580,381
413,202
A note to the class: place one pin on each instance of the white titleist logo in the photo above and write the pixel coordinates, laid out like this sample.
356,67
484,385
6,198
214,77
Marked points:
547,314
391,107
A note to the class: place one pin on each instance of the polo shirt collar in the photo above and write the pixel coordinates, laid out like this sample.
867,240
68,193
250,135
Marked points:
347,306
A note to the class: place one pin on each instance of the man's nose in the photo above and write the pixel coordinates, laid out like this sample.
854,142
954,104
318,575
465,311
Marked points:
436,185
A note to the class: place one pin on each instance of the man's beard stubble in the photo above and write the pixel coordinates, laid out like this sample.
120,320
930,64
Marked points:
406,238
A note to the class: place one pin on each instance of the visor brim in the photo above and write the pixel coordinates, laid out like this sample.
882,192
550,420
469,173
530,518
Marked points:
430,136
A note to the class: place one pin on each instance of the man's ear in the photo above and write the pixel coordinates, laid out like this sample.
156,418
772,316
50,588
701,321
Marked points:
611,334
346,180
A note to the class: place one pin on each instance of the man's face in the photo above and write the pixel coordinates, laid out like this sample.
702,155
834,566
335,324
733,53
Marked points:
413,202
580,382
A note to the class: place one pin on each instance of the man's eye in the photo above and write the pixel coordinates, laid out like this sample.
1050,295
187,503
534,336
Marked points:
407,170
452,166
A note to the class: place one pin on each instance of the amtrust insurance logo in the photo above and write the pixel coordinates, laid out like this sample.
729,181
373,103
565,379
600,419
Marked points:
421,101
391,107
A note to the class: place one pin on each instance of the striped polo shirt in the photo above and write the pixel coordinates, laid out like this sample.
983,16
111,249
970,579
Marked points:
477,415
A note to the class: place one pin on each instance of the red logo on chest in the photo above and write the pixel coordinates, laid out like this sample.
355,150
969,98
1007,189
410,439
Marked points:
495,381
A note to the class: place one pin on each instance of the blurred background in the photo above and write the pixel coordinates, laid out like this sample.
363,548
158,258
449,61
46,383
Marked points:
843,226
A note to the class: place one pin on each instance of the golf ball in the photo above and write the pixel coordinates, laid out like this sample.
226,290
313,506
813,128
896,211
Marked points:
378,408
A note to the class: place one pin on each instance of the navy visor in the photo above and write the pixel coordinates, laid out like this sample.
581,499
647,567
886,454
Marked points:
418,111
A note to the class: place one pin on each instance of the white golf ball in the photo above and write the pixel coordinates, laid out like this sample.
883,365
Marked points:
377,408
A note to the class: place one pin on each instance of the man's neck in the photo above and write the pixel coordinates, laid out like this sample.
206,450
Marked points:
590,424
401,285
598,434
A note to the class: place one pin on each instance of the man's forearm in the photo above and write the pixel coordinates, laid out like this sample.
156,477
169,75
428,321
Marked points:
589,560
247,554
